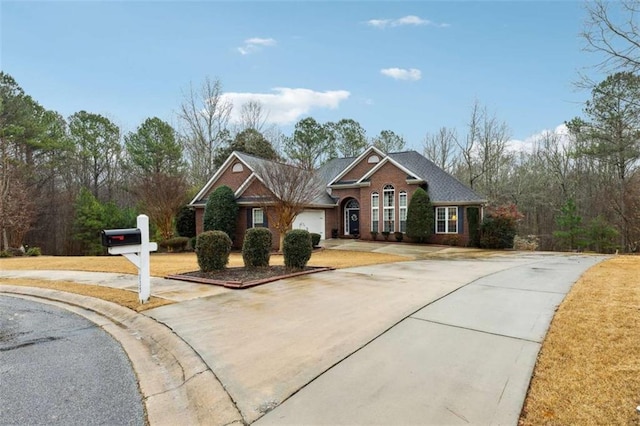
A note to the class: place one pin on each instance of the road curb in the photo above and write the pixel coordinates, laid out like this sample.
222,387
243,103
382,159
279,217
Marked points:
177,386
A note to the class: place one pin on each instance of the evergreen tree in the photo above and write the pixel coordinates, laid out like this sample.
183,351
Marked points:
221,211
570,226
420,216
89,221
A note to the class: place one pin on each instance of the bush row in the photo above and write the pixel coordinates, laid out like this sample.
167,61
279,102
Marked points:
213,248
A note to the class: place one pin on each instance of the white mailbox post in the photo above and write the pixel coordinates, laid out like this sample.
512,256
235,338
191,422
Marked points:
134,245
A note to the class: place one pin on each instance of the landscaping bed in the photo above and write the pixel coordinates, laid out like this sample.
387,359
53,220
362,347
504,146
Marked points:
240,278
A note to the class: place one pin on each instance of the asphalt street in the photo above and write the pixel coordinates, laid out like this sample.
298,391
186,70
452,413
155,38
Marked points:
59,368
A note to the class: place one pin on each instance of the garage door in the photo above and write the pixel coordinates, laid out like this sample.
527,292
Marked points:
310,220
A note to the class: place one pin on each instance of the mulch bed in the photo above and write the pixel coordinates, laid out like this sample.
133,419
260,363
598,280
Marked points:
239,278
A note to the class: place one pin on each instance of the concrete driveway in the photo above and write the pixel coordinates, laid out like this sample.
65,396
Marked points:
428,342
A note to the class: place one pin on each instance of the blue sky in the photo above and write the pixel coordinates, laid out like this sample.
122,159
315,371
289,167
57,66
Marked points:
410,67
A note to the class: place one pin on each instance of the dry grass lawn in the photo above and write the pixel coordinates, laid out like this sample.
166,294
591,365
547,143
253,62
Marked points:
588,370
124,298
163,264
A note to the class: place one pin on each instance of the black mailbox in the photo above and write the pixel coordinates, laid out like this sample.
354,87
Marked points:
121,237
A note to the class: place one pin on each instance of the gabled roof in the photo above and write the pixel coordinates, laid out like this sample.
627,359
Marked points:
443,187
355,162
255,164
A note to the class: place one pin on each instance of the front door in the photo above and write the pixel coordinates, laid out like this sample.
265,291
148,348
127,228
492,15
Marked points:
352,218
354,222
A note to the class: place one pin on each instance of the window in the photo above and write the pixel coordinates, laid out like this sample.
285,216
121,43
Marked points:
375,212
258,218
373,159
237,168
388,209
446,220
402,203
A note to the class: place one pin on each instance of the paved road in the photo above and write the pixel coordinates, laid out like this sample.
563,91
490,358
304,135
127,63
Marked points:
59,368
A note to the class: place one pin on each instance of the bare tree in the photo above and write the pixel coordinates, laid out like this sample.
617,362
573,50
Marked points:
16,204
441,148
204,114
161,195
288,191
617,39
483,153
253,116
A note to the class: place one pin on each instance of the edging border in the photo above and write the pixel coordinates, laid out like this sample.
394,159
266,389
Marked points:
240,285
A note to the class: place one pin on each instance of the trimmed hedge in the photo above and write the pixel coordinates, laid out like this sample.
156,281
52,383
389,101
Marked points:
221,211
212,250
175,244
256,248
473,217
315,239
297,249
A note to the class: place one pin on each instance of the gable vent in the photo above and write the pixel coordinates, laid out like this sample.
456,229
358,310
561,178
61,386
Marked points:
373,159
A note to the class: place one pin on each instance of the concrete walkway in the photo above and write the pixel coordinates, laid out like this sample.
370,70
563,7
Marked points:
428,342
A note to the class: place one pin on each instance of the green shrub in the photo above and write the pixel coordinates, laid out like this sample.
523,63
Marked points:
192,243
186,222
499,228
5,253
221,211
399,236
175,244
385,234
451,240
212,250
297,249
315,239
34,251
473,217
256,248
374,235
420,217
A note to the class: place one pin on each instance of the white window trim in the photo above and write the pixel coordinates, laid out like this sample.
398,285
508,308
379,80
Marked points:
391,208
255,224
401,209
375,212
446,220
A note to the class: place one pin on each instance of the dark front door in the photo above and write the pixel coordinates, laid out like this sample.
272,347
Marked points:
354,222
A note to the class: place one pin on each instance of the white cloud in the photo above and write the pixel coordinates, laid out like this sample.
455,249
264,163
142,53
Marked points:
529,143
254,44
412,74
405,20
286,105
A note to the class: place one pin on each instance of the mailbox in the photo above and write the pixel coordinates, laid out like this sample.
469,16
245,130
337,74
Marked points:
121,237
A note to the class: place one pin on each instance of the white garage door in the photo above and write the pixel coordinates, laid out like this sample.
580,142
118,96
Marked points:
311,220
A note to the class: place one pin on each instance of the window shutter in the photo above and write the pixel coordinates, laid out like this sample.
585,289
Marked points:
249,217
461,211
265,218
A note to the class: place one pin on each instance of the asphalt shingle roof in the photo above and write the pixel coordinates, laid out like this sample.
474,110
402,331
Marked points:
443,187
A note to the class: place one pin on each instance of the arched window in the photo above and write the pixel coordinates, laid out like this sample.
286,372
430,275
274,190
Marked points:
388,209
402,205
373,159
375,211
237,168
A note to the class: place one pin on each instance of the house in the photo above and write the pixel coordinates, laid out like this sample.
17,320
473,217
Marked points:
360,195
